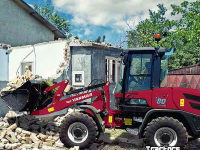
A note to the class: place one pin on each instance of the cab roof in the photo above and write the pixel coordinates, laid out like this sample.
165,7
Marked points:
141,49
160,50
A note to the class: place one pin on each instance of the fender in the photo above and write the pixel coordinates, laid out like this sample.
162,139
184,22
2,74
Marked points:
190,118
96,114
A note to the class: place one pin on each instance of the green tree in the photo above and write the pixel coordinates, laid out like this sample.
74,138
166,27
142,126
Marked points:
50,14
143,34
186,37
183,34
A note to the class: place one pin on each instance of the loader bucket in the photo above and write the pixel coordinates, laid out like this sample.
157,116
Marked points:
28,97
15,100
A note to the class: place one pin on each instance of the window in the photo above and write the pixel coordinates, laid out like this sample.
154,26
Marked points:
112,66
164,71
78,78
135,102
120,80
139,74
26,64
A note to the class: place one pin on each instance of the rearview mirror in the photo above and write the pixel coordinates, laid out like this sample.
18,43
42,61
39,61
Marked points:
171,52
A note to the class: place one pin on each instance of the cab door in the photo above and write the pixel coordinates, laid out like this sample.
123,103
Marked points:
139,79
137,82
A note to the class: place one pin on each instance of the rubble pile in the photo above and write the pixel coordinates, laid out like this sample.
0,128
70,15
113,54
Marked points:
19,80
18,131
5,46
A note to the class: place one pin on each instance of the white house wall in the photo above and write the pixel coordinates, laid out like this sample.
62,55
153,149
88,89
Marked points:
3,78
47,60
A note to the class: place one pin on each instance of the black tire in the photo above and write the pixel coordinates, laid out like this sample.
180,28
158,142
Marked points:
78,117
168,124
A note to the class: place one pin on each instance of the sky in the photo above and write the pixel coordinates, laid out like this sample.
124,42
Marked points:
112,18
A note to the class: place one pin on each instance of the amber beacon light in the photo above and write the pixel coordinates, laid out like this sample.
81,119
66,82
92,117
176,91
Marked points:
157,37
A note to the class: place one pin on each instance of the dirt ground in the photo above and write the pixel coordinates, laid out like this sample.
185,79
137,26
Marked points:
133,143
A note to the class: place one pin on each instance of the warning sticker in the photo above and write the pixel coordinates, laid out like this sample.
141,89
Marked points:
51,109
110,119
128,121
182,102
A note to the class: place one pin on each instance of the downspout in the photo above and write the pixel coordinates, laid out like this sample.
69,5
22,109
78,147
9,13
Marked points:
8,53
34,60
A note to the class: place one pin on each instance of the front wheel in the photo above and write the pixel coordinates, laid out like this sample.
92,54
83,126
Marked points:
78,129
165,131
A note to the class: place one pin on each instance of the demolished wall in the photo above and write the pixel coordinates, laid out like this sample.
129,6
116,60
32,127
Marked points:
44,58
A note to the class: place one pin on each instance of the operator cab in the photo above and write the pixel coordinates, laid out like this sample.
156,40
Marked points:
142,69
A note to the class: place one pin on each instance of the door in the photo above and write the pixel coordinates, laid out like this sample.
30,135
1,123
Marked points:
138,81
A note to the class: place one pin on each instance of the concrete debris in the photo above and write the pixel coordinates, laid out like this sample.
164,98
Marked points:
15,134
74,148
97,146
123,140
78,42
19,80
59,144
11,114
5,46
106,138
44,134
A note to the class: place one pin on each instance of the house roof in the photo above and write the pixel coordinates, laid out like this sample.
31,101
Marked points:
37,16
101,45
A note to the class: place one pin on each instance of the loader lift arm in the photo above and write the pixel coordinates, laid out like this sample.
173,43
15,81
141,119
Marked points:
58,104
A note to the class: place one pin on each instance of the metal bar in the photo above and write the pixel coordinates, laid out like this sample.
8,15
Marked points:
85,89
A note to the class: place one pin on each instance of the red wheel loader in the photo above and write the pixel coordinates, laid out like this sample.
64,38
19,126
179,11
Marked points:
162,116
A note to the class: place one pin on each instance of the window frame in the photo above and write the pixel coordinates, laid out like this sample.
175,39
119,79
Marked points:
24,64
112,69
73,78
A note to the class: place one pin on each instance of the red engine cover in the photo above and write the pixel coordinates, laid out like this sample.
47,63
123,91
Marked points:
162,98
185,99
177,98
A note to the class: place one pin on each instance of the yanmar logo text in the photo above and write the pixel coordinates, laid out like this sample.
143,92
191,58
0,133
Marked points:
79,98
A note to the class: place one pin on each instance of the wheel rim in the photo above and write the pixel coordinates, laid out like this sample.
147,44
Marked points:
77,132
165,137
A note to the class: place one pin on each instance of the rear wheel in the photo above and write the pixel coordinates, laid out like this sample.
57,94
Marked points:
78,129
165,131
